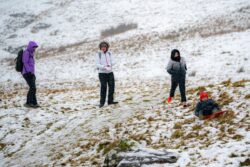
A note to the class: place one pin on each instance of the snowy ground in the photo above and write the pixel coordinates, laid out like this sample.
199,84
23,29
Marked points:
214,38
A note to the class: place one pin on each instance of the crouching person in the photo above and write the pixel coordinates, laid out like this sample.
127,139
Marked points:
105,62
207,108
28,73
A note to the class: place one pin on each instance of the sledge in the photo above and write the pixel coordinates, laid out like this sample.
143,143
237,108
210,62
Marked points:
214,115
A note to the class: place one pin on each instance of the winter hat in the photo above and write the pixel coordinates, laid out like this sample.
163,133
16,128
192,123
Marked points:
104,44
203,94
173,52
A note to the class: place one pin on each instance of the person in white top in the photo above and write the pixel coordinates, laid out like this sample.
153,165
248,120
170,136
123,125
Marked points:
105,63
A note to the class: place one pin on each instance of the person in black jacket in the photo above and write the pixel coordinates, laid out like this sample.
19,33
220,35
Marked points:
177,69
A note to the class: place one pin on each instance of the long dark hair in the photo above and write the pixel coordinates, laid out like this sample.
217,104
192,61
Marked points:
173,52
104,43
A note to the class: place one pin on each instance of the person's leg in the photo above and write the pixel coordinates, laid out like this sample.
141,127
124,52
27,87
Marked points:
33,90
111,84
103,81
182,87
174,85
28,80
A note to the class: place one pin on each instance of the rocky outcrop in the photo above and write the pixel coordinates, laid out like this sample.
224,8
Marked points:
139,157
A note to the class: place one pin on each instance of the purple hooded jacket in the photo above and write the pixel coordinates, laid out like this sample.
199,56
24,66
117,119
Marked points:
28,58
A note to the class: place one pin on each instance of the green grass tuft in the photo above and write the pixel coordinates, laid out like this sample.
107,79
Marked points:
177,125
121,145
245,163
177,134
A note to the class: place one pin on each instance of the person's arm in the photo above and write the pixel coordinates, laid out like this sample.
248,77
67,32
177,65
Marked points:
98,62
169,67
217,106
184,62
25,60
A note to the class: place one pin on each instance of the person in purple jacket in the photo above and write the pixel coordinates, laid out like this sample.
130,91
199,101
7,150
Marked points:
28,73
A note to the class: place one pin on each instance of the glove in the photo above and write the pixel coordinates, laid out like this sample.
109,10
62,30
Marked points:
107,68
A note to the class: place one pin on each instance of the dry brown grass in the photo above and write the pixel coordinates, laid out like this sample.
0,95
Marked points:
196,90
189,121
150,119
247,96
196,127
224,99
2,146
89,145
178,125
227,82
231,131
138,137
245,163
227,117
191,135
238,137
239,84
177,134
121,145
180,144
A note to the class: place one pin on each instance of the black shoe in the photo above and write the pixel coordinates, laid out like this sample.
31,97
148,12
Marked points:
34,105
184,104
101,105
114,102
27,105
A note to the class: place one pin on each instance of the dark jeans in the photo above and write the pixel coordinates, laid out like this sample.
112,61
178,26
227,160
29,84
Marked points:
31,81
175,81
107,79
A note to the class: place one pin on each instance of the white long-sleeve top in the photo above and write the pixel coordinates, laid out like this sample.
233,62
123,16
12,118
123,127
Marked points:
104,62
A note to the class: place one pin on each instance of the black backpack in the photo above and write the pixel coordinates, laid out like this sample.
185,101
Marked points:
19,61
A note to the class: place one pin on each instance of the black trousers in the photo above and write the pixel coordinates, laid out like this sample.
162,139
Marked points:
31,81
175,81
107,79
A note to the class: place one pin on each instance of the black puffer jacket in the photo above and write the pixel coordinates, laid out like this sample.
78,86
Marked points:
206,107
177,65
177,68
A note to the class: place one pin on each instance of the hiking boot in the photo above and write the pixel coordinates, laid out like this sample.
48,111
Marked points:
101,105
112,103
184,104
27,105
170,99
34,105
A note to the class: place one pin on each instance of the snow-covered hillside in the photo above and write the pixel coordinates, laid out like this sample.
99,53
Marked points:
58,22
69,129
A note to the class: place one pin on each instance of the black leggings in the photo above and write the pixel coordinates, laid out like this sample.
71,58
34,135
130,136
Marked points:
31,81
107,79
181,82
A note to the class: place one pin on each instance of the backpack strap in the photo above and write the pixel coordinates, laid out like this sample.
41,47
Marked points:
109,57
100,55
22,52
